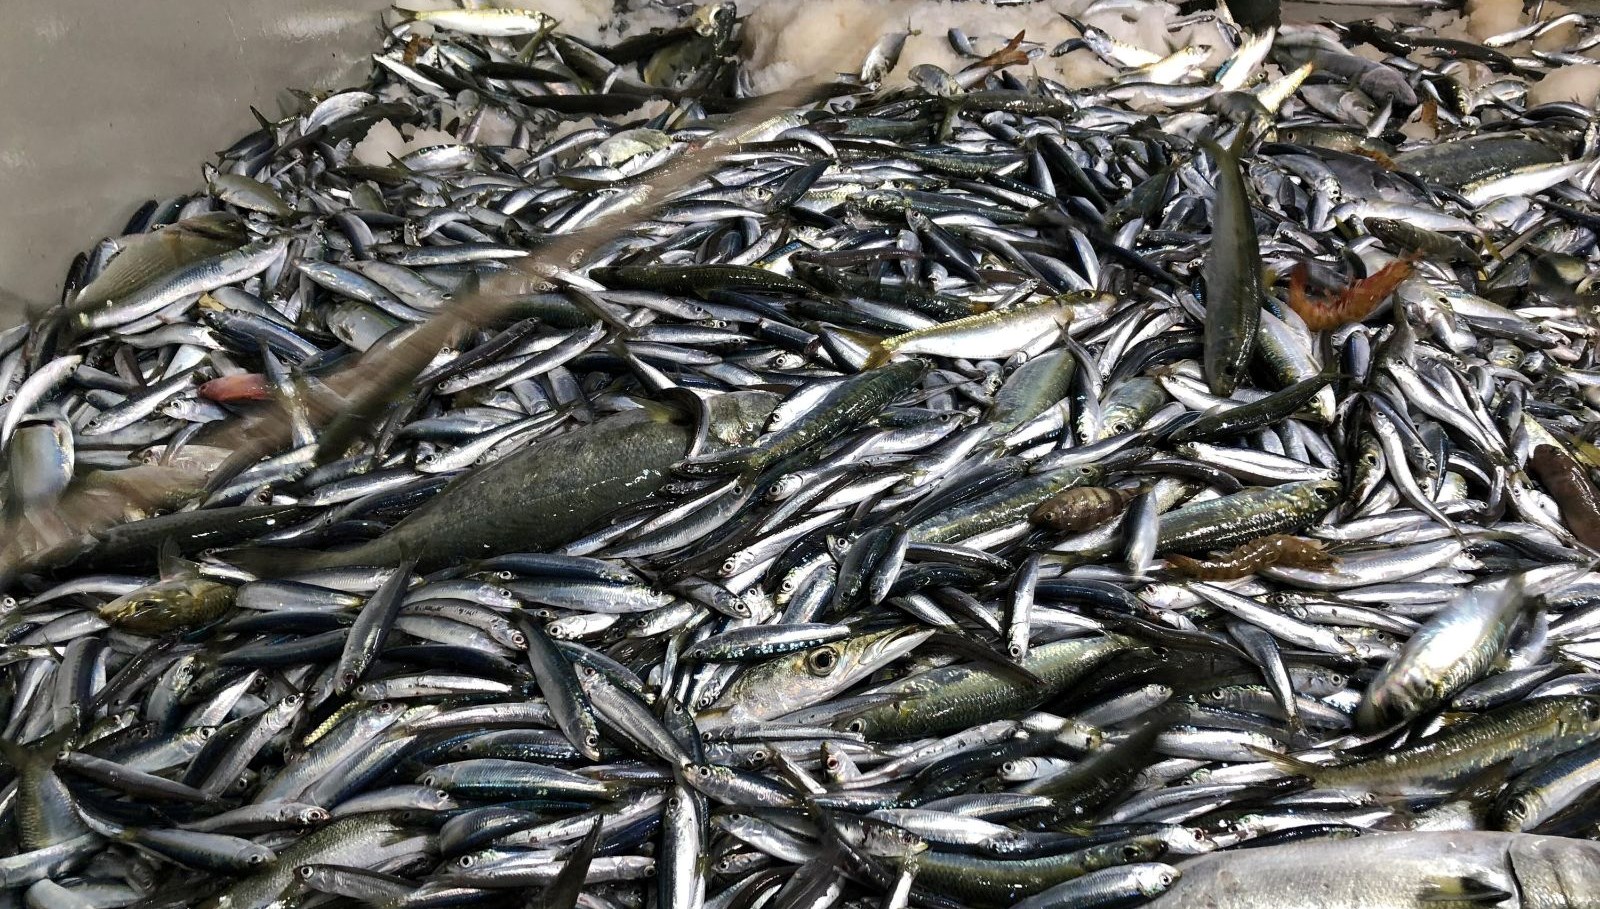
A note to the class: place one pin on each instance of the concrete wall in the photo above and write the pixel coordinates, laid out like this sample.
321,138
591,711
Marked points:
106,103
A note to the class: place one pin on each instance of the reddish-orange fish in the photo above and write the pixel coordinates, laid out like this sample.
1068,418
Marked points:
241,386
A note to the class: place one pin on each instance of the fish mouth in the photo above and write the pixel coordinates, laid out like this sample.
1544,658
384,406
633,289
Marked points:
891,646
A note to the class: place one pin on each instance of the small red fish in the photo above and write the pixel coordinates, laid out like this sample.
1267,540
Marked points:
241,386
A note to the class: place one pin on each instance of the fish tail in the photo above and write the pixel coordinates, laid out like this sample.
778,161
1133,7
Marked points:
878,357
41,751
1289,764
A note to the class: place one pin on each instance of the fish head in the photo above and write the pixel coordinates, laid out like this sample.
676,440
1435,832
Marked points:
1513,812
738,418
168,605
867,653
714,18
1328,492
797,680
1154,878
881,839
1395,694
256,856
1556,871
1580,718
1129,851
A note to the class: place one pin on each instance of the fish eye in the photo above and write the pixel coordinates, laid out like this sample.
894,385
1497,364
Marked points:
518,640
591,739
305,872
1591,711
703,772
822,660
857,726
465,861
1131,853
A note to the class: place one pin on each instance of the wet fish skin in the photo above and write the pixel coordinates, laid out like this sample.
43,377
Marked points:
1521,733
505,506
1449,652
1232,274
1409,870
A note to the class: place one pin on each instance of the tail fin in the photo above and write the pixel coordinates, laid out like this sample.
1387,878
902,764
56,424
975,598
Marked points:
1290,764
41,751
877,358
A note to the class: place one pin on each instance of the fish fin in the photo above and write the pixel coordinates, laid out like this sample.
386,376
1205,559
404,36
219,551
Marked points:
564,891
41,751
1288,763
988,657
173,565
261,118
1490,247
720,463
877,358
1485,786
14,754
1447,888
1239,142
670,406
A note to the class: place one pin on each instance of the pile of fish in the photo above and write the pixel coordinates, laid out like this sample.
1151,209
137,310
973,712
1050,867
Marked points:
970,492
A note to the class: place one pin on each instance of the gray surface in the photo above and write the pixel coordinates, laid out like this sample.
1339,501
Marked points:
106,103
